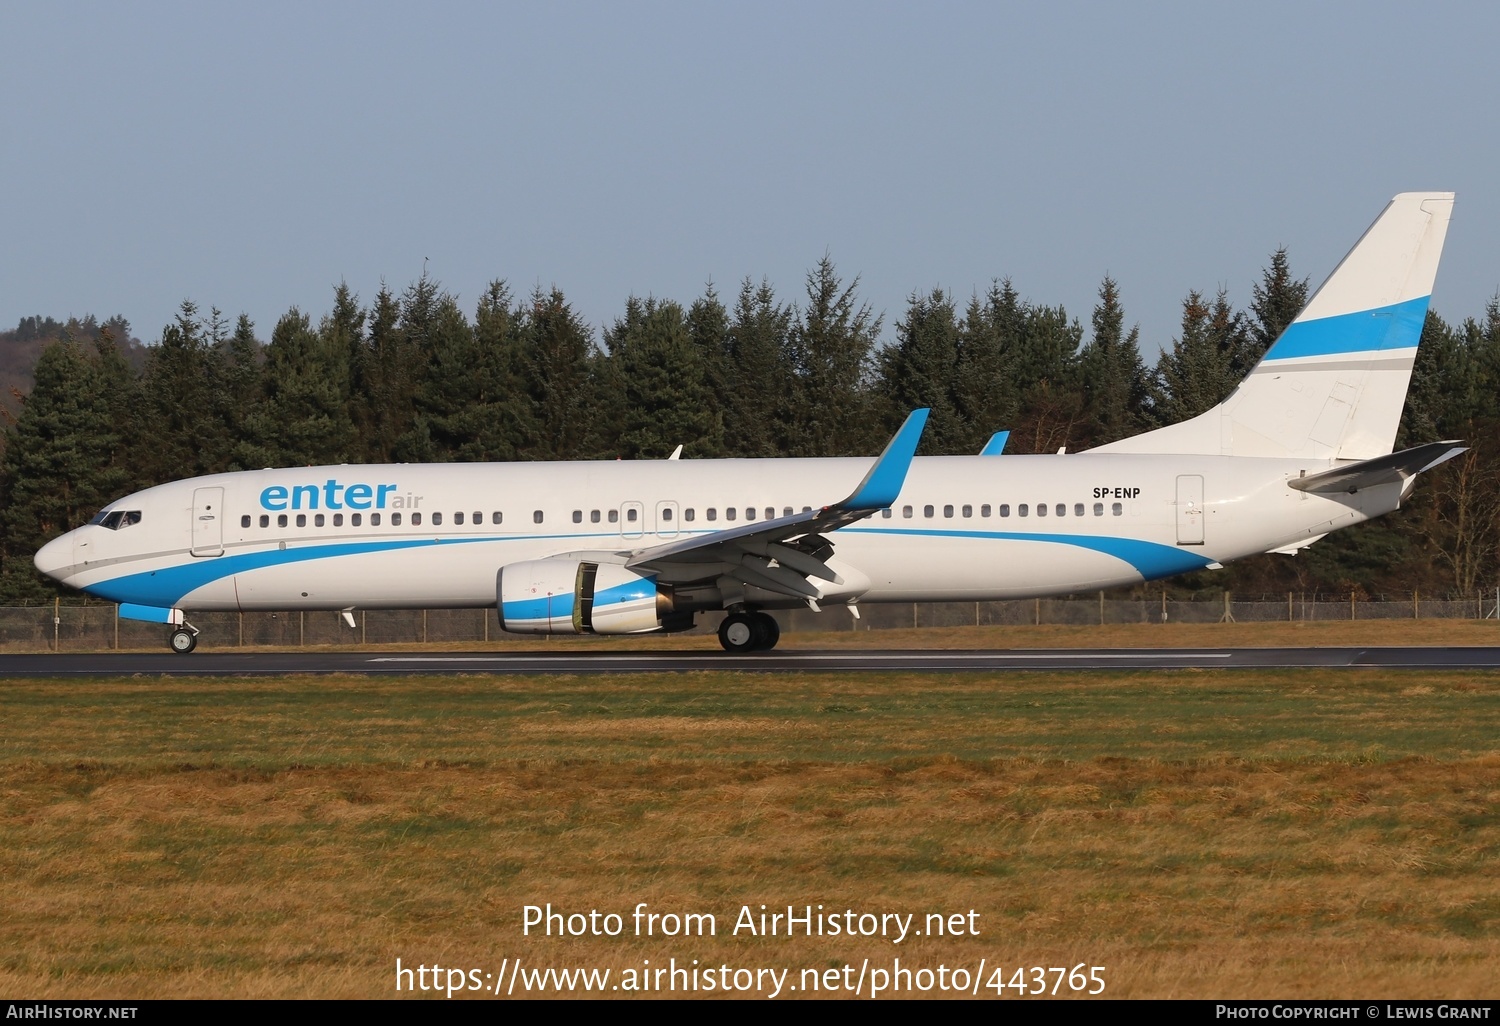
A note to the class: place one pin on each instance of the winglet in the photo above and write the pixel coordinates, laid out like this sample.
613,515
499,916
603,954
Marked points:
996,445
883,483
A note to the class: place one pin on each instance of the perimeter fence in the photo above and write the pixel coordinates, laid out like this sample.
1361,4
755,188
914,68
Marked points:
99,627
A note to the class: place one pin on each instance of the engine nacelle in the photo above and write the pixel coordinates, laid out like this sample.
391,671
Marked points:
573,596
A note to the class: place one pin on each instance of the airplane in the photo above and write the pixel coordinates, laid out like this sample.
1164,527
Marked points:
1301,448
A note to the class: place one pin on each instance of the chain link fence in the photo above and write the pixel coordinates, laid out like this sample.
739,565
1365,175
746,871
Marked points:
98,627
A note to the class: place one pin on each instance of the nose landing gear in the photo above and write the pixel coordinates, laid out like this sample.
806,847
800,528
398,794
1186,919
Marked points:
749,632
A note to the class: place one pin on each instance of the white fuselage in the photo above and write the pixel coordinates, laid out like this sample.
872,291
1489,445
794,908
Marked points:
963,528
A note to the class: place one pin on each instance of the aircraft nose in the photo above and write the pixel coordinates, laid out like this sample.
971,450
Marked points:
56,557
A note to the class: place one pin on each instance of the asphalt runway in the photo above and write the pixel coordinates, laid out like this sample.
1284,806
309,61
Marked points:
224,664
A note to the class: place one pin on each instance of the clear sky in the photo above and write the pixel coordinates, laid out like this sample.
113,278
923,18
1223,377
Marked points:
252,156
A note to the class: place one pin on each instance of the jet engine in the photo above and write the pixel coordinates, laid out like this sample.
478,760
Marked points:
574,596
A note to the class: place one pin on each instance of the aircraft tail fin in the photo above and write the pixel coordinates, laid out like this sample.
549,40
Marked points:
1334,384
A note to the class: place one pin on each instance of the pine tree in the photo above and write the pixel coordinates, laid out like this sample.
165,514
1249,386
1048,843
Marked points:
381,382
666,398
305,418
1113,375
1198,373
831,346
985,388
708,327
1278,299
920,370
182,396
1046,366
762,388
65,457
557,374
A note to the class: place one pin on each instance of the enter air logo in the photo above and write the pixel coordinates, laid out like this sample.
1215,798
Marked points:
334,495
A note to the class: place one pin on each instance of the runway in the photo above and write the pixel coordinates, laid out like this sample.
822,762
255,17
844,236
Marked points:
225,664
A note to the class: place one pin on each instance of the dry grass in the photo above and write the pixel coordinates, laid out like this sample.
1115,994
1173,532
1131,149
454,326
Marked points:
1290,833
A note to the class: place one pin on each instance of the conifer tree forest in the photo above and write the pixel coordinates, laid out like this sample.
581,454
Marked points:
416,376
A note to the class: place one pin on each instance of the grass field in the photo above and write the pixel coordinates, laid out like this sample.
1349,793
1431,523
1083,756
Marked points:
1206,834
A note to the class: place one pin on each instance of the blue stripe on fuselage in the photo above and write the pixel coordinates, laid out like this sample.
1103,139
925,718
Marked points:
166,587
1151,560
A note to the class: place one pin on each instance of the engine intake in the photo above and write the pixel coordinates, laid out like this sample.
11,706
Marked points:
573,596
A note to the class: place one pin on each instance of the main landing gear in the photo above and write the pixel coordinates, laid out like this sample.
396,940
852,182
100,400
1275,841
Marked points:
183,639
749,632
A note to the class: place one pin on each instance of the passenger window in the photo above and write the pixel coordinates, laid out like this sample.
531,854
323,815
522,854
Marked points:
771,512
495,518
395,519
614,516
578,516
906,512
948,512
786,511
458,519
245,520
478,518
1098,509
536,516
1062,509
416,519
437,519
301,519
281,520
666,514
1117,509
749,512
375,520
1022,510
630,515
1041,509
265,520
984,510
688,514
318,520
929,512
885,514
593,516
1078,509
729,513
807,509
338,520
968,511
1005,509
355,519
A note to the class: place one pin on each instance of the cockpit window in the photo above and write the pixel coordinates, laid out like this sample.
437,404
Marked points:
117,519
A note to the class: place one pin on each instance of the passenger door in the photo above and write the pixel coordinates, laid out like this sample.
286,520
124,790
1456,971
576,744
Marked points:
1190,509
208,522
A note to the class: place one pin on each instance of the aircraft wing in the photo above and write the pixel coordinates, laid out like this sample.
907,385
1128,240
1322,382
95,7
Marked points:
795,542
1396,468
996,445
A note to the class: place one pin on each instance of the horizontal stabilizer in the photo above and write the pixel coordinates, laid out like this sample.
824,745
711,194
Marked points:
1396,468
